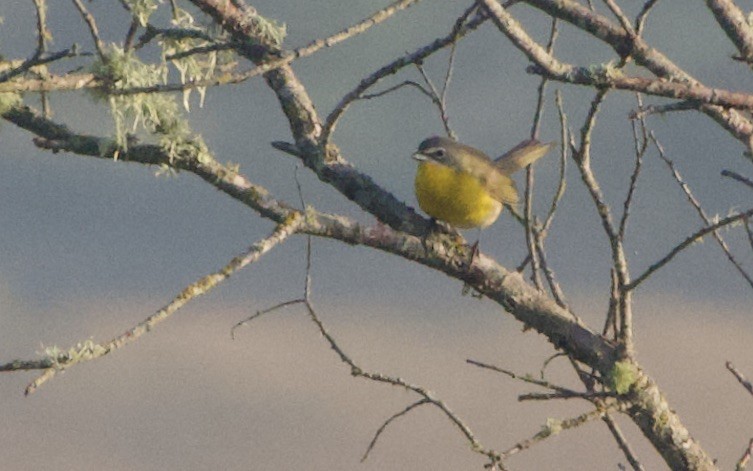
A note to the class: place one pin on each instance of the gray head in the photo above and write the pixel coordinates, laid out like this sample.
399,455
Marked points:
448,152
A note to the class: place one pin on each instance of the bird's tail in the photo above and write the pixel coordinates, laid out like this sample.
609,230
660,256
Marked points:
522,155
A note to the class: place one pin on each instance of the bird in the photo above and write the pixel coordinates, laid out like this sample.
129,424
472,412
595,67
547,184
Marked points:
462,186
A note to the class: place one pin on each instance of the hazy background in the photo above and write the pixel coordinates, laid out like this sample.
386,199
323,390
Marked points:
89,248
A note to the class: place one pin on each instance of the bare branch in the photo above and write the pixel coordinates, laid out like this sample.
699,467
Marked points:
735,24
438,98
92,24
621,17
690,240
553,427
622,442
742,463
640,20
526,378
43,34
387,422
589,396
426,395
201,50
28,65
553,33
582,157
407,83
534,238
736,176
608,77
392,68
663,109
258,314
198,288
699,209
224,79
562,183
551,278
641,145
634,46
739,377
130,35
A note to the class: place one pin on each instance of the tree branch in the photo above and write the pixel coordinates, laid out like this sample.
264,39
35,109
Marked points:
735,24
198,288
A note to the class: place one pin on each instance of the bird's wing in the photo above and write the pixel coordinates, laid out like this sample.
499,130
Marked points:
496,181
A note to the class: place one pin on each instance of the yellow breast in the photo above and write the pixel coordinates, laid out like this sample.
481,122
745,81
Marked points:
454,197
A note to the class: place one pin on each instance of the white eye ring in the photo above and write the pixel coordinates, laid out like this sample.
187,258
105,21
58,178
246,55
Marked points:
439,153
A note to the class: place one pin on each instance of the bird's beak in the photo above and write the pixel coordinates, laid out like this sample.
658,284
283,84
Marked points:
419,156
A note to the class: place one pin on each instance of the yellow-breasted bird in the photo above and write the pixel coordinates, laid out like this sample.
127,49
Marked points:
462,186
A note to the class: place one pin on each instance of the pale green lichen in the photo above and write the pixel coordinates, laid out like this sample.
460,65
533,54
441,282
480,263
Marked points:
155,113
270,32
143,9
8,101
552,427
85,350
191,67
605,72
622,376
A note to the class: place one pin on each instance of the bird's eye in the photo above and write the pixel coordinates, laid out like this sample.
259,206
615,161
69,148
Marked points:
440,153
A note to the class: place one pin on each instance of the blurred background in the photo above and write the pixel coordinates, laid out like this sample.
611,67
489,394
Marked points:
90,247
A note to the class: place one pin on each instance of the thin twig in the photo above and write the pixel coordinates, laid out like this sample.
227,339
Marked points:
622,442
527,379
29,64
540,231
553,33
42,32
742,463
92,24
392,68
198,288
407,83
749,231
549,275
548,361
610,322
201,50
562,182
357,371
699,209
387,422
445,89
736,176
690,240
287,58
621,17
529,230
438,97
739,377
640,20
534,250
564,395
688,105
552,428
258,314
130,35
582,157
450,68
641,145
734,122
